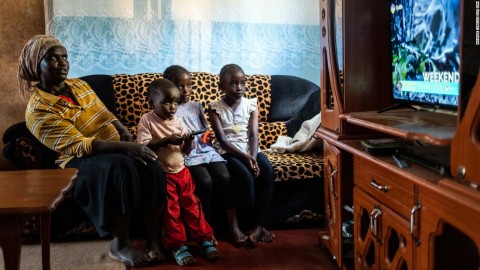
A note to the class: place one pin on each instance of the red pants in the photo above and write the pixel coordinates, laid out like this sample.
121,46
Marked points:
184,212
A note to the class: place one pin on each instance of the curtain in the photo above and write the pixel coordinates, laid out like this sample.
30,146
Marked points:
135,36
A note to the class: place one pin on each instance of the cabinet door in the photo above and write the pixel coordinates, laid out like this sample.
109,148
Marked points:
449,230
367,214
382,237
332,175
397,248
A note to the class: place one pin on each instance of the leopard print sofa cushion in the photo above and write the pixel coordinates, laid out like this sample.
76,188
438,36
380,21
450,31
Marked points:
132,103
268,133
296,166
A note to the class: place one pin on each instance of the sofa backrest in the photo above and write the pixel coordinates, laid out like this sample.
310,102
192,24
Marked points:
284,102
103,87
132,103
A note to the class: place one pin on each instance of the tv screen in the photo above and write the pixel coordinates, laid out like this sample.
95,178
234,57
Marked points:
425,36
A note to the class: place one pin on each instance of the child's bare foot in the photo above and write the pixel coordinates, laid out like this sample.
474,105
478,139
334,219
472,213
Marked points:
129,256
255,236
267,236
239,238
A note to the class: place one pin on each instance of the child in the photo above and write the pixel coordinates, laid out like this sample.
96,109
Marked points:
167,135
204,162
235,122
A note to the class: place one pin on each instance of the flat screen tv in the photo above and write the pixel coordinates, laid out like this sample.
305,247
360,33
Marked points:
425,58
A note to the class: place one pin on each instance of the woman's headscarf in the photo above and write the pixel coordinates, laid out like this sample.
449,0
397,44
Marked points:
32,53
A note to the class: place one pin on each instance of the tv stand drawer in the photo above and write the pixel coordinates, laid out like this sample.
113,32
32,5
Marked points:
388,187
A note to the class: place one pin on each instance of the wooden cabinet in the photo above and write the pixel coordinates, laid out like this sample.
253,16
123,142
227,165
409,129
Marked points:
410,218
404,218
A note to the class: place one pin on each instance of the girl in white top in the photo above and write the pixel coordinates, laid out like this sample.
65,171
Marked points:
234,119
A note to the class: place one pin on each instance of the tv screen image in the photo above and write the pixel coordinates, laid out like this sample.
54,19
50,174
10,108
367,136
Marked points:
425,36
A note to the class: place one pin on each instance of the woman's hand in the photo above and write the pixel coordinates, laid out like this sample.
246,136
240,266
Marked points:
140,152
122,131
126,136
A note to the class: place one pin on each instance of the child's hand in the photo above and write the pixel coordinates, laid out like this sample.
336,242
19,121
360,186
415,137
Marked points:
176,139
255,169
252,163
188,137
208,136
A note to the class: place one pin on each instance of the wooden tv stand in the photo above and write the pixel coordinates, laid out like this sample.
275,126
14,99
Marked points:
410,218
403,218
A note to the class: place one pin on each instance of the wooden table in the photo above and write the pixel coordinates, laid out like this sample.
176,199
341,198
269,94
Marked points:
24,194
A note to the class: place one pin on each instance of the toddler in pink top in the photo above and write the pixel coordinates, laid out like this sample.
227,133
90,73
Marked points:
167,135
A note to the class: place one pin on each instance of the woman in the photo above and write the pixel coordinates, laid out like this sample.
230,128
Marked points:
116,176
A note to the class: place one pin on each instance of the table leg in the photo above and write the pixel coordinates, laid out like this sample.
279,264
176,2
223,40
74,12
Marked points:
45,219
11,240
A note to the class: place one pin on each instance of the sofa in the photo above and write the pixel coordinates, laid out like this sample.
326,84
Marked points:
284,103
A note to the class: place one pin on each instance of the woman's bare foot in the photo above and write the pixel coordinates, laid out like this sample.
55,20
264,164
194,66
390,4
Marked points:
238,237
155,252
267,236
127,255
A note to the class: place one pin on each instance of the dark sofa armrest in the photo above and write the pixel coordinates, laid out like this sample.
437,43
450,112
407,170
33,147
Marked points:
309,110
25,151
294,100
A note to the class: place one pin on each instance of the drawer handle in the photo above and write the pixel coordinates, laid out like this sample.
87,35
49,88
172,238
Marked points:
374,184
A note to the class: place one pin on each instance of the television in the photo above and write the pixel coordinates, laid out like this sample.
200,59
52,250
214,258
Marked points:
425,57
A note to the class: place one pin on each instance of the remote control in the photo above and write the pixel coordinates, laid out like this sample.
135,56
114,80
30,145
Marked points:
196,132
400,162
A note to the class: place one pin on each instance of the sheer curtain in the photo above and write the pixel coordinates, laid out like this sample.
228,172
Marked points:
133,36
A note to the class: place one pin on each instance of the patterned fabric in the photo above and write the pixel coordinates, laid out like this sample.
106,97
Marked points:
258,86
66,128
203,153
32,53
268,133
130,92
296,166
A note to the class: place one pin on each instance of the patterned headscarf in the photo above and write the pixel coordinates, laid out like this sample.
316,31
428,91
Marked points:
32,53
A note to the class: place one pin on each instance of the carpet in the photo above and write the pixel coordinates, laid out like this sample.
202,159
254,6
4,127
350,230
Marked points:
291,249
90,255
